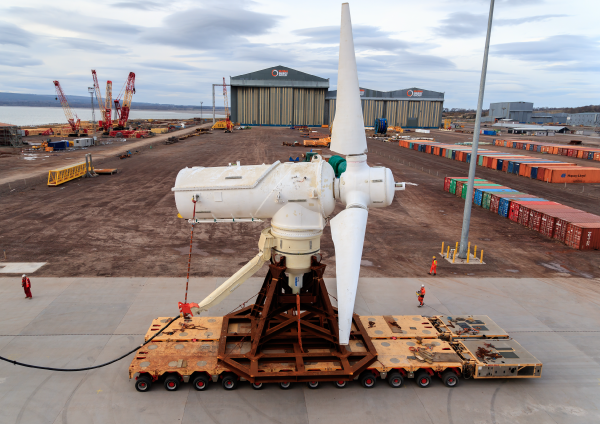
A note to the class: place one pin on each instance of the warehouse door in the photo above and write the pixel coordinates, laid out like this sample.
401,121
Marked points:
413,115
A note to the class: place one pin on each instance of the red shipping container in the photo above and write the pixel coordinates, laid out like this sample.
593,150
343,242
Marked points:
535,218
547,224
447,184
494,203
583,236
513,211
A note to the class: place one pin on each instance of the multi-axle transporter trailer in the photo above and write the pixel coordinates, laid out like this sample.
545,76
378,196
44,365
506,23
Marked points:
407,347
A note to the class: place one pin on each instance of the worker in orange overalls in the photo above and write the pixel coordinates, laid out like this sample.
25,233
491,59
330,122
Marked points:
26,284
421,294
433,269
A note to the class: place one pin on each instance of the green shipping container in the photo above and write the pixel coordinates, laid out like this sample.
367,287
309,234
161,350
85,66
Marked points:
453,186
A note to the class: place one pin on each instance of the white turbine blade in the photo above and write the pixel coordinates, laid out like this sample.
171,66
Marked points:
348,130
348,233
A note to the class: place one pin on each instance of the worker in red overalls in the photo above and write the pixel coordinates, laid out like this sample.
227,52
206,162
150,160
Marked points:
26,286
421,294
433,269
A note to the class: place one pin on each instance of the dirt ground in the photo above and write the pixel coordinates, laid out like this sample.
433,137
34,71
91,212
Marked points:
126,224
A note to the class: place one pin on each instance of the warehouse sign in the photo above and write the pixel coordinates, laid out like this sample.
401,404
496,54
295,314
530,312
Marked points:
279,73
362,92
416,93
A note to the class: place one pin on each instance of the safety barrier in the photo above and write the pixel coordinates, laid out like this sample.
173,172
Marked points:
68,173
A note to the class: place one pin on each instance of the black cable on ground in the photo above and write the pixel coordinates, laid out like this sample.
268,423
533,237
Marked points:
95,366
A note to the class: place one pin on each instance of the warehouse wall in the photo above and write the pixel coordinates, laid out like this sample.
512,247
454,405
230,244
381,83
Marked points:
278,105
403,113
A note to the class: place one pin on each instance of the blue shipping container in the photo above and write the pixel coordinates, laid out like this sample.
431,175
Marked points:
534,171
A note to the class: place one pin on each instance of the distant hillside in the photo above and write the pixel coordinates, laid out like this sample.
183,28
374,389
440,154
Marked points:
581,109
44,100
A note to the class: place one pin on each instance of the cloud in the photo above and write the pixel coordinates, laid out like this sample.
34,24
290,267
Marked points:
207,29
18,60
558,48
171,66
365,37
90,45
460,25
142,5
12,34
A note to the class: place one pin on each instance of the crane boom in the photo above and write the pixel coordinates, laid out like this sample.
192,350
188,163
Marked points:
229,125
71,117
101,105
108,105
123,110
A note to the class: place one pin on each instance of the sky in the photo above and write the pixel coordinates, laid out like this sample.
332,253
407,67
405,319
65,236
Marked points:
543,51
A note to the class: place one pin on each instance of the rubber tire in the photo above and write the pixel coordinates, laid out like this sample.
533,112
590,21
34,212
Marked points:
139,383
203,381
395,379
285,386
229,381
171,383
447,377
368,380
119,135
312,384
328,145
341,384
421,377
258,386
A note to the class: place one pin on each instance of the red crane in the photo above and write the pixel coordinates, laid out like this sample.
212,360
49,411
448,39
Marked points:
71,117
123,110
228,122
108,104
101,105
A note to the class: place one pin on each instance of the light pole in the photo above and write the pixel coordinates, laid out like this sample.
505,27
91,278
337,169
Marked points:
201,110
464,237
91,90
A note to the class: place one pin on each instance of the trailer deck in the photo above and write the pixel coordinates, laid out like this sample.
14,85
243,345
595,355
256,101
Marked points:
407,346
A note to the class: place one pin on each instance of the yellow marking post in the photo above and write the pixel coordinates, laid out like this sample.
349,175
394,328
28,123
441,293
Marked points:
442,251
468,251
481,260
448,252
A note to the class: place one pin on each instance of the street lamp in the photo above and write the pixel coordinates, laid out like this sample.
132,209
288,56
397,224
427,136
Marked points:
201,110
91,90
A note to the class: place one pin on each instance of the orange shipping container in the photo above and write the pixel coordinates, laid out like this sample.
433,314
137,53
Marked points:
577,174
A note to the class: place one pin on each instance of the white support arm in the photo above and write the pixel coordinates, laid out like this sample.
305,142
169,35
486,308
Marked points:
265,244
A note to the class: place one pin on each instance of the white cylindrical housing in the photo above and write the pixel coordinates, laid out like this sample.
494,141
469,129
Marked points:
296,196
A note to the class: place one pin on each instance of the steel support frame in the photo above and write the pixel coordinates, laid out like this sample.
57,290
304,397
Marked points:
273,321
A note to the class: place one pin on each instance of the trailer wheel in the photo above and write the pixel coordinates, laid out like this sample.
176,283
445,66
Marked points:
200,383
143,383
171,383
450,378
368,379
285,385
229,381
395,379
120,135
423,379
313,384
340,384
257,386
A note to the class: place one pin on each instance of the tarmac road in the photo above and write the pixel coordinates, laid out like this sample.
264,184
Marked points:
77,322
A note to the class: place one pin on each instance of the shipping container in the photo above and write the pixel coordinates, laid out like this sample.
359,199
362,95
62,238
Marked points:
585,236
572,175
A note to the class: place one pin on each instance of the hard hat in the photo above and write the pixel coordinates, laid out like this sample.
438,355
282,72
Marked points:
23,276
422,285
434,257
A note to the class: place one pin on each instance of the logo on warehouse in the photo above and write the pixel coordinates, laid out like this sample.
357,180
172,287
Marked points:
415,93
279,73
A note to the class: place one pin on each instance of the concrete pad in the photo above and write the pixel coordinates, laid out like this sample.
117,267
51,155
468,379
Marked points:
20,267
554,319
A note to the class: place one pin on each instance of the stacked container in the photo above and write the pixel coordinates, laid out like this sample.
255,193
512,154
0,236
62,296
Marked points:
575,228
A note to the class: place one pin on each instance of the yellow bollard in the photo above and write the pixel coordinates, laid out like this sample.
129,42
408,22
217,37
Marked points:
475,251
468,251
442,251
454,256
481,260
448,252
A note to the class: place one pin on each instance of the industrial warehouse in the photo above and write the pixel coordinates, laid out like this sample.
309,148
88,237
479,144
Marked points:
299,259
282,96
